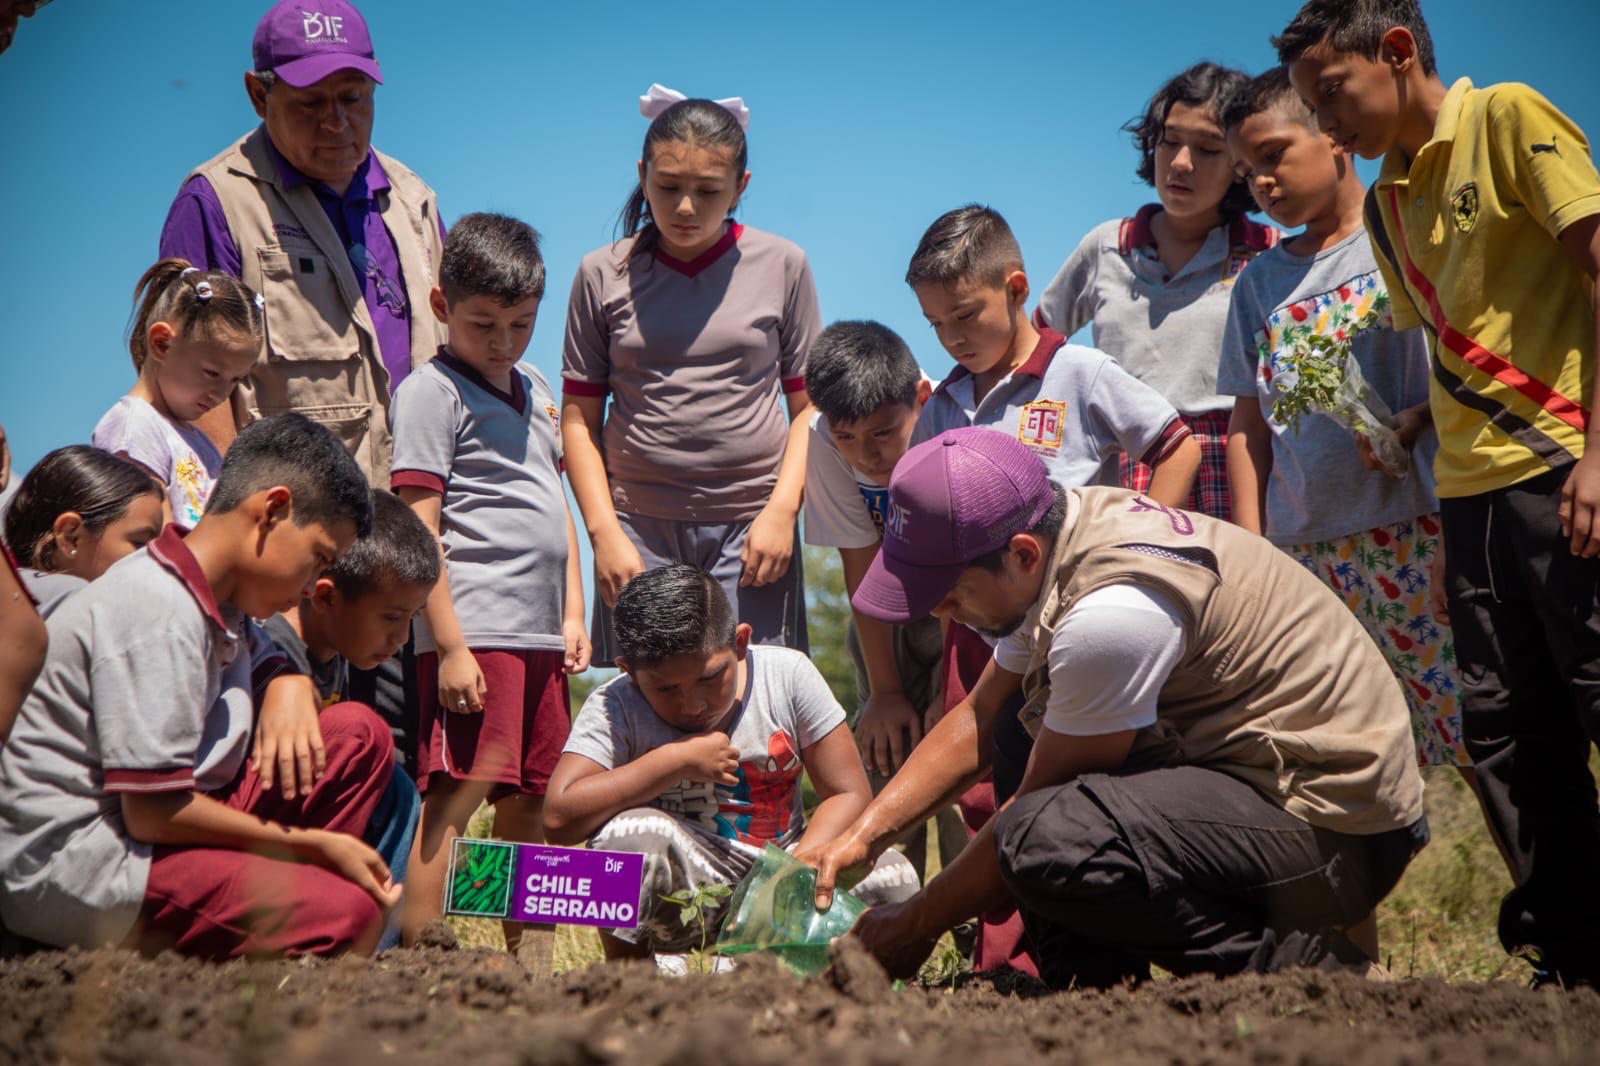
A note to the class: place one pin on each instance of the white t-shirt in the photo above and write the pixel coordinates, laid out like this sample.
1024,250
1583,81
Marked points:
1111,654
176,452
785,708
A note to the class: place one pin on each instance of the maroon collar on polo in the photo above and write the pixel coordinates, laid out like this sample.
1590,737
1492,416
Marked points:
517,398
174,555
689,268
1034,366
1242,232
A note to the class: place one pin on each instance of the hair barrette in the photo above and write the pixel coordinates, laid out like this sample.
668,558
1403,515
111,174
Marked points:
659,98
260,302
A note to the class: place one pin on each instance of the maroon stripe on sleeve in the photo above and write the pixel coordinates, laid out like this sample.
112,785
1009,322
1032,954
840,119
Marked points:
583,388
793,384
416,479
179,780
1175,434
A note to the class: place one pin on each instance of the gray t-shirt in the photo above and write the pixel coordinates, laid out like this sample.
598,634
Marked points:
49,590
146,688
696,358
177,453
1318,489
1074,407
1163,330
496,458
785,708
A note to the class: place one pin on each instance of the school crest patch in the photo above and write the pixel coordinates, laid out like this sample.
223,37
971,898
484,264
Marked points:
1464,206
1043,424
555,415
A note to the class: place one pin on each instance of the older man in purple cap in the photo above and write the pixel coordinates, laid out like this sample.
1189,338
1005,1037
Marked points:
1211,769
342,241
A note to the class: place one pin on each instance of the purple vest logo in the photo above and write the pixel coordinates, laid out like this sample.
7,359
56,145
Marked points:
323,29
544,883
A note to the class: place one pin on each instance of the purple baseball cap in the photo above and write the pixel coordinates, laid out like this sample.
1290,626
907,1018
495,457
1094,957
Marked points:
960,495
303,41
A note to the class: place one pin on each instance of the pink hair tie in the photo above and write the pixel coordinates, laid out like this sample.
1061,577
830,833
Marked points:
659,98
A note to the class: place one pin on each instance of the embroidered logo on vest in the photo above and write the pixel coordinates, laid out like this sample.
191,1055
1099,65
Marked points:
1182,524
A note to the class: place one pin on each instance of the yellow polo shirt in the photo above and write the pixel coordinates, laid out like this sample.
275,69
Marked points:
1473,226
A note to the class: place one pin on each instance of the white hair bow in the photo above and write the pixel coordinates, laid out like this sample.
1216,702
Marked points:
659,98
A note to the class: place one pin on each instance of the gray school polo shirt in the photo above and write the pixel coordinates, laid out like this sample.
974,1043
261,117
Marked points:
696,358
785,708
496,458
146,688
1165,331
1074,407
1318,490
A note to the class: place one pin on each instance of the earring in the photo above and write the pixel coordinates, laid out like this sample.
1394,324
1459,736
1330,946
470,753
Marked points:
72,553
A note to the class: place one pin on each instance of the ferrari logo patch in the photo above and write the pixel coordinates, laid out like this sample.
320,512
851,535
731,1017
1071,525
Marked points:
1464,207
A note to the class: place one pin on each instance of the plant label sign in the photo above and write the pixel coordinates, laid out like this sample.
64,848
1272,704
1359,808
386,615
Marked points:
544,883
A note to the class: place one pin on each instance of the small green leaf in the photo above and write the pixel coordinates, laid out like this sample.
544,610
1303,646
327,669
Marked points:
688,914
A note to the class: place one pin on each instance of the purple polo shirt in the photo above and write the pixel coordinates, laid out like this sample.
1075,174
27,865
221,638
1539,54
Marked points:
197,230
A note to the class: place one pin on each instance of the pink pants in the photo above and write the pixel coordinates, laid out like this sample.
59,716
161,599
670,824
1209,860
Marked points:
221,903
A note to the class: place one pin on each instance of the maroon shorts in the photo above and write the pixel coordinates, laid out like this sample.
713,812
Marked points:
222,903
518,737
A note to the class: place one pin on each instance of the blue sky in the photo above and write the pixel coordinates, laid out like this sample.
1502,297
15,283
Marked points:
869,120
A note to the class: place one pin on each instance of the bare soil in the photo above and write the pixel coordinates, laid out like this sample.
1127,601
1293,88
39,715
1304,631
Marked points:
435,1005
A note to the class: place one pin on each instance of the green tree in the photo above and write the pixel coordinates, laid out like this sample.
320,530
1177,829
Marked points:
828,620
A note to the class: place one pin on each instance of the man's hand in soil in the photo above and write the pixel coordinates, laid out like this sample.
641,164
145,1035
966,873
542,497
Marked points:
896,935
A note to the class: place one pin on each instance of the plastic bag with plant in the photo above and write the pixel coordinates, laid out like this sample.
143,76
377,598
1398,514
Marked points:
774,910
1327,380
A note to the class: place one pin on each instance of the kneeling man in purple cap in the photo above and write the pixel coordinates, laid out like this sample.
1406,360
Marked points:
1211,769
340,240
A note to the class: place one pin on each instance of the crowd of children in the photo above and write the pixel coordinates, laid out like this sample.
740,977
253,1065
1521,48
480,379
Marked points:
183,765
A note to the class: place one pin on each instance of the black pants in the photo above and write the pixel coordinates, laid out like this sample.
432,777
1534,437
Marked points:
1184,867
1527,633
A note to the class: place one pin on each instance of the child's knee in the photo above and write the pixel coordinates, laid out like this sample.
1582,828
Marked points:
358,730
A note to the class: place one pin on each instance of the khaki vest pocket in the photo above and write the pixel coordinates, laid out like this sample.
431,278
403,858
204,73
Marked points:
349,422
307,319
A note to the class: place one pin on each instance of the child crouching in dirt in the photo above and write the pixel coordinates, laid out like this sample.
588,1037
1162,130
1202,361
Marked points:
357,616
693,757
129,813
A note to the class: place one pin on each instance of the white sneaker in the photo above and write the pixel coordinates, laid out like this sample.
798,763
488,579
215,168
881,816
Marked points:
682,965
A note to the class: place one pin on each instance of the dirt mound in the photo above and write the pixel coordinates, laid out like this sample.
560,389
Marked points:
453,1007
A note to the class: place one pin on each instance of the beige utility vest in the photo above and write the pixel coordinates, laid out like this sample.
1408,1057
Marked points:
321,357
1279,685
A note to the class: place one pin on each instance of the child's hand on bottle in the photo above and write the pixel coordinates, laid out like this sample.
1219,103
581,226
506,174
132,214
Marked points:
461,683
709,758
616,562
768,548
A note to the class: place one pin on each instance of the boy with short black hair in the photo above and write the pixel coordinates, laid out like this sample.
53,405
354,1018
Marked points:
358,614
1486,220
868,390
694,755
128,811
477,454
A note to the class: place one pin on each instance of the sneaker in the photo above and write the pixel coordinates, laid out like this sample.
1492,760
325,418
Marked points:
681,965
